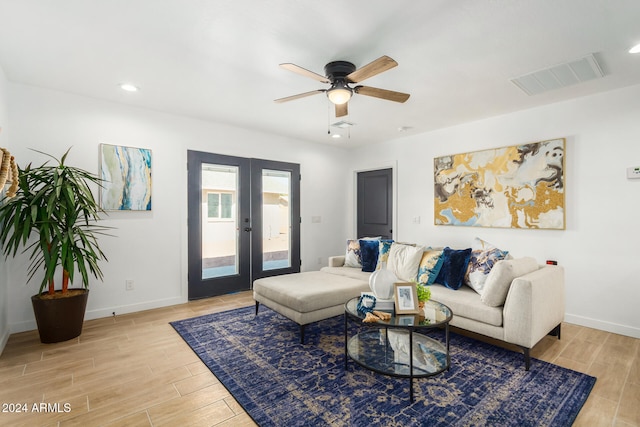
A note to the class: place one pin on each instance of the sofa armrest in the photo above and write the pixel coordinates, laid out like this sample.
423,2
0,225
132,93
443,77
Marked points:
534,306
336,261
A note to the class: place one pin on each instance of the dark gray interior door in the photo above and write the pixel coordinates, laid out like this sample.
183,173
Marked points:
375,203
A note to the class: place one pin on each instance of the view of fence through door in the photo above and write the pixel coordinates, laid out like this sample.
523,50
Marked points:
244,222
276,219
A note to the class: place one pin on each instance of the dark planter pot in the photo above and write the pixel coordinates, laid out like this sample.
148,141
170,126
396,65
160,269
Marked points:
60,319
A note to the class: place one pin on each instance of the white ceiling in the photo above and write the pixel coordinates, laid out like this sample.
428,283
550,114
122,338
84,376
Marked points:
218,59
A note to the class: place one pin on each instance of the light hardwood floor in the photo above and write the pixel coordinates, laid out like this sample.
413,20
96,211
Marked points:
134,370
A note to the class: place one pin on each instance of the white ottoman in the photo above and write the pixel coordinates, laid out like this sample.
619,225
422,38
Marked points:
307,297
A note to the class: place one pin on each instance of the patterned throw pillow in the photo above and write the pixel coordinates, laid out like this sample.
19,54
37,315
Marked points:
484,256
454,267
383,253
353,257
430,266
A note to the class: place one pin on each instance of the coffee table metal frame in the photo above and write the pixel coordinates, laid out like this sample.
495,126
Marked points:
369,342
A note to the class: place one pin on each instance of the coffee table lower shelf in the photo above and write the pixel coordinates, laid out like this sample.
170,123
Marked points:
386,351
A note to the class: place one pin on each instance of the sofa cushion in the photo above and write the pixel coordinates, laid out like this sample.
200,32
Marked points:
465,302
454,267
483,257
404,261
353,273
500,277
430,265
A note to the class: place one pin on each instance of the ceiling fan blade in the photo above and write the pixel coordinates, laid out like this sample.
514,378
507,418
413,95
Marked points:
389,95
342,109
298,96
304,72
378,66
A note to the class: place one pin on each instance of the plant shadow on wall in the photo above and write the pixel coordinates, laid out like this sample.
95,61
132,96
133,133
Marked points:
55,204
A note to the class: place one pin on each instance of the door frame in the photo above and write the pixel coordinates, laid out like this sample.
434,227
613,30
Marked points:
394,185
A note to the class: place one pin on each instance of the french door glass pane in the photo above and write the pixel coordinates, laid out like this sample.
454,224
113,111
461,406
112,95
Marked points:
276,219
220,223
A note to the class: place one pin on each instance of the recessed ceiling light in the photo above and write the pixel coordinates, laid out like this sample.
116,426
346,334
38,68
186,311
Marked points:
635,49
336,136
129,87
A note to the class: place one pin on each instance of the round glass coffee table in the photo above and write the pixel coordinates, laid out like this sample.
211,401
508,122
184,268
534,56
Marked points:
384,346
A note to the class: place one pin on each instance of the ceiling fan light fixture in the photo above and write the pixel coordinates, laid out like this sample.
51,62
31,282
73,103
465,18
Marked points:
339,93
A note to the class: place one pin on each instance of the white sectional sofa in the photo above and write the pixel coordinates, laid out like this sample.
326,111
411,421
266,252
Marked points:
533,306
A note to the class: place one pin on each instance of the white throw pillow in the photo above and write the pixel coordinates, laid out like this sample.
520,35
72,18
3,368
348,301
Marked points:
500,277
404,261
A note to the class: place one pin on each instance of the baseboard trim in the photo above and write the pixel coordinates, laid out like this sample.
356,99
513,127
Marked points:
30,325
133,308
3,339
615,328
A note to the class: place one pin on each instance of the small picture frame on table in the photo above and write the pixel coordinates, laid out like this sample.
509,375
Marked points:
406,296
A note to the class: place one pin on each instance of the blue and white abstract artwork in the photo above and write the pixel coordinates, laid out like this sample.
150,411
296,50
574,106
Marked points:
126,172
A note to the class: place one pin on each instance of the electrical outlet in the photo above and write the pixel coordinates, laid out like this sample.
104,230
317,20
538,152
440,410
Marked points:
128,284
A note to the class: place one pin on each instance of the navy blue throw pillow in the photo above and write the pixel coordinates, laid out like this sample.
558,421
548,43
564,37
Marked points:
454,267
369,254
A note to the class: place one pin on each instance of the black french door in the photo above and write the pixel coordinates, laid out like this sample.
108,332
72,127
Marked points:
243,222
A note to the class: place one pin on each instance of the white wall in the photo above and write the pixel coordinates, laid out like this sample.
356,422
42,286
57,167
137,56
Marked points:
4,142
150,247
598,249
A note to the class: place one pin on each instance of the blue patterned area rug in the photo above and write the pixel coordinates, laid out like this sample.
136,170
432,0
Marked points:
280,382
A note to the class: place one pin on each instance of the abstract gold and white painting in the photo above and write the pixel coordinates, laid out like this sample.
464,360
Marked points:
126,172
520,186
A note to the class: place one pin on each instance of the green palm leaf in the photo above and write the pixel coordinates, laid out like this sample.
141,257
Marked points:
55,204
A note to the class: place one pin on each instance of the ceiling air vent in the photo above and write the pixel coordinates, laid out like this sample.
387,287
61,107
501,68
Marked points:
556,77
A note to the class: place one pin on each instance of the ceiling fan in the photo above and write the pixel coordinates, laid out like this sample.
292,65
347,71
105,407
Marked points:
342,74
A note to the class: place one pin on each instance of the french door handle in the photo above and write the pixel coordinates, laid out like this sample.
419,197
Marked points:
247,229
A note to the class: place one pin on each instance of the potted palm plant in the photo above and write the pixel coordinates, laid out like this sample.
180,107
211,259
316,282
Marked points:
54,204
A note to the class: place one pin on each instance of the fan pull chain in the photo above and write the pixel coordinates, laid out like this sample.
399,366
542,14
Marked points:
329,119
